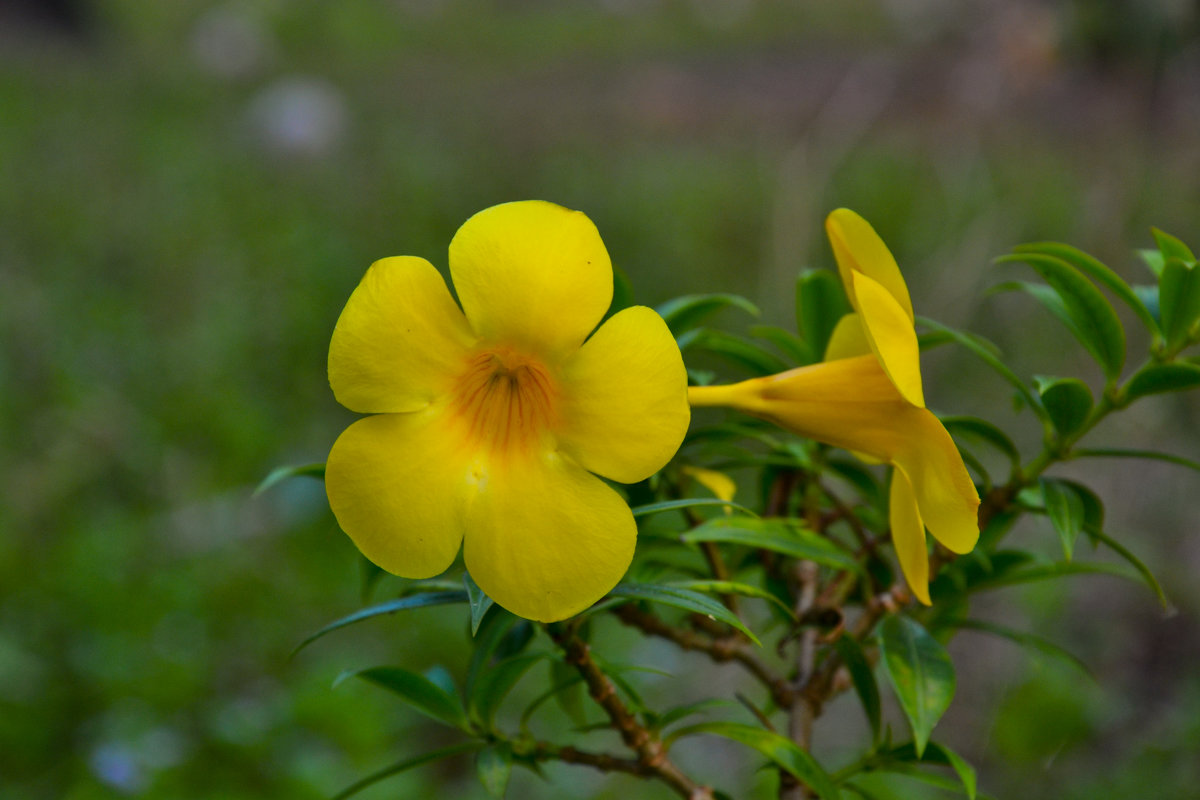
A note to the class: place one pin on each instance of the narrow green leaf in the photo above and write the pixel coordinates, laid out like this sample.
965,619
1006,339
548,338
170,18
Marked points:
1178,300
1152,455
774,535
493,765
1170,247
622,292
691,502
1093,320
734,587
686,312
1051,571
920,672
1097,271
1093,507
1068,401
786,342
736,349
1159,378
940,754
682,598
280,474
678,713
1153,259
820,303
863,678
1143,570
985,352
783,752
492,631
478,600
390,607
404,766
1029,641
419,692
494,684
1065,510
981,429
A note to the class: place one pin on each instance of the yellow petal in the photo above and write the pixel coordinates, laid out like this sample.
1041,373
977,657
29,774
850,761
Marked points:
624,407
858,248
396,484
891,336
908,536
399,341
546,539
945,494
532,274
848,339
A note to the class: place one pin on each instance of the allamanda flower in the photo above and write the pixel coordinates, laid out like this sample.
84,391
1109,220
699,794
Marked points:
866,397
490,421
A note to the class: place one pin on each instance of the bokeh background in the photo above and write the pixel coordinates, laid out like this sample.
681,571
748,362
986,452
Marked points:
190,190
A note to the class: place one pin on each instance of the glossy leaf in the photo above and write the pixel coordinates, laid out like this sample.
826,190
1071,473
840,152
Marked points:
1068,401
390,607
1098,272
774,535
686,312
684,599
419,692
920,672
783,752
1065,510
1178,299
478,601
404,766
1159,378
1091,317
734,587
493,765
678,713
820,303
691,502
280,474
936,753
863,678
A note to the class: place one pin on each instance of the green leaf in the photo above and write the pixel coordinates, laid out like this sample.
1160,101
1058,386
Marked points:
1068,401
404,766
1051,571
783,752
622,292
1159,378
820,303
390,607
777,536
940,754
786,342
1091,317
1170,247
920,672
1093,508
1152,455
479,602
1178,300
493,630
1144,571
1098,272
981,429
678,713
863,678
1153,259
493,765
686,312
419,692
494,684
682,598
736,349
691,502
1029,641
280,474
1065,509
985,352
733,587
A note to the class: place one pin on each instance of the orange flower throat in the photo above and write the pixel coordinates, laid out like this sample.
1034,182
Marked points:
505,400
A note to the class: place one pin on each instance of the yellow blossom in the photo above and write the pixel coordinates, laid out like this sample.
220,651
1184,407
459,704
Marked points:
489,422
867,397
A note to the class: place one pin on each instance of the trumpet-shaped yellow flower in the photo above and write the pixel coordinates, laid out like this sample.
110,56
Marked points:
489,422
867,397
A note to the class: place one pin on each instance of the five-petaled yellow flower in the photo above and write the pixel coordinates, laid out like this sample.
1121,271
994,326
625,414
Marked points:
489,422
866,397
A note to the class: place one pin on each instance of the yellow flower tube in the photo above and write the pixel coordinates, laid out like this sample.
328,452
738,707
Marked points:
867,398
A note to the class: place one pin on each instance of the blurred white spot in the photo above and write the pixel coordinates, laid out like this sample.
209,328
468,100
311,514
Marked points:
116,765
299,116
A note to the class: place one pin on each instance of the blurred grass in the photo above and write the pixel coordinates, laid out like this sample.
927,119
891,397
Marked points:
189,192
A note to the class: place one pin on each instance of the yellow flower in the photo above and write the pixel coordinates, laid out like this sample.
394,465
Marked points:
489,421
866,397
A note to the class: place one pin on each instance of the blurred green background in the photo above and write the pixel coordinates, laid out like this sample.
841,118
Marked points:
190,190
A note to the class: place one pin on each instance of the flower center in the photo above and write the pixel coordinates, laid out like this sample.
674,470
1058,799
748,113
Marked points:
506,400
